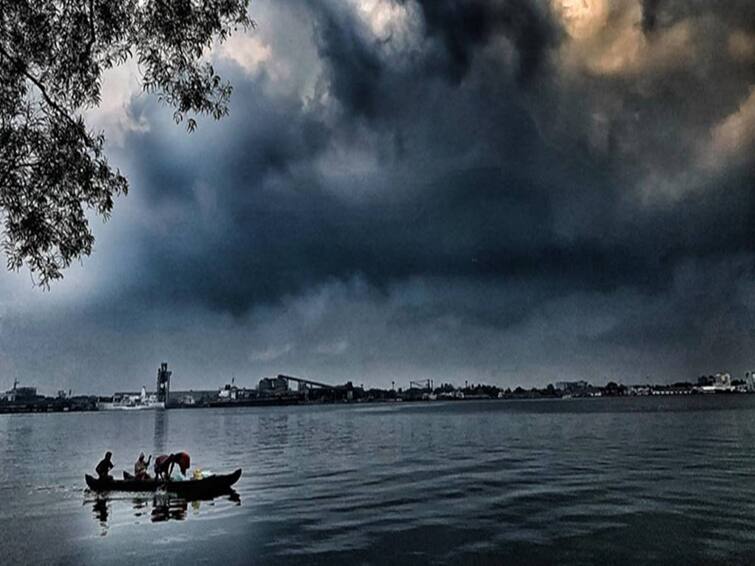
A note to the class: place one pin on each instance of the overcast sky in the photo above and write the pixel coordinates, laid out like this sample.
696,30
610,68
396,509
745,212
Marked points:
502,191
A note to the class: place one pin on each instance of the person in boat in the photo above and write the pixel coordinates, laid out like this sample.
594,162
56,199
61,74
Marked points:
141,466
104,467
164,464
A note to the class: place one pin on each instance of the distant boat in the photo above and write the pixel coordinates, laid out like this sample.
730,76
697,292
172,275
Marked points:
131,402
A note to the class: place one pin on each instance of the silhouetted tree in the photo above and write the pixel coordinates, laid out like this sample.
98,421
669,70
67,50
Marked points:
52,56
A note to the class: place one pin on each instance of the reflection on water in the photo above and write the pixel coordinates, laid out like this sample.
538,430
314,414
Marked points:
161,506
141,506
161,428
101,513
273,432
165,508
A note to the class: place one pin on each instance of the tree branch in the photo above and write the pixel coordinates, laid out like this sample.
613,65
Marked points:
92,35
23,69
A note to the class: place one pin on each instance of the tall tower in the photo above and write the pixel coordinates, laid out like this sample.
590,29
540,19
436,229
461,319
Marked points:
163,383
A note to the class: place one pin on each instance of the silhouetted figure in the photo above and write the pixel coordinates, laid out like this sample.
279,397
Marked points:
164,464
104,467
141,467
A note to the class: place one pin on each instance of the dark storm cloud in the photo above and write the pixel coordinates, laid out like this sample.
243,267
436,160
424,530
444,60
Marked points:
735,14
649,14
464,27
357,68
479,189
433,209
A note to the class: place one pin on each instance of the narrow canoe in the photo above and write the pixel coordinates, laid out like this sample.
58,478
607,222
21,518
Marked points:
216,484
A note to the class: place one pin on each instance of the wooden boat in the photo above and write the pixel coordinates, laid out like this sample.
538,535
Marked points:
211,485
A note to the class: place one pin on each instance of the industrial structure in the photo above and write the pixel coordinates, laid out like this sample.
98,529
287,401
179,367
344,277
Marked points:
279,390
163,383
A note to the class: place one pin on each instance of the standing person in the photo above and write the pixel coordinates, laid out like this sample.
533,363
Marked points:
141,467
164,464
104,467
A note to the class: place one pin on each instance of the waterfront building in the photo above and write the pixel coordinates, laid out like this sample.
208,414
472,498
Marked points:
192,397
273,386
229,392
721,383
187,401
723,380
572,386
20,394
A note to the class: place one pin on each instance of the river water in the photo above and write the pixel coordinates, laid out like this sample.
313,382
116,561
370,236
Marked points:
607,481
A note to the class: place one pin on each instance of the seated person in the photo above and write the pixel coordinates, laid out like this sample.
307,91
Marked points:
141,467
104,467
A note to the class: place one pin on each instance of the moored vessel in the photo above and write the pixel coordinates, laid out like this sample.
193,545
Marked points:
131,402
143,400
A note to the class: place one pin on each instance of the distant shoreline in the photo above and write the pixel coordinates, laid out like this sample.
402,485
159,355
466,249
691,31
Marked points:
89,404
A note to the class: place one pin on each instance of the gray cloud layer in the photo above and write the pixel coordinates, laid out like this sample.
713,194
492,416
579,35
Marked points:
496,190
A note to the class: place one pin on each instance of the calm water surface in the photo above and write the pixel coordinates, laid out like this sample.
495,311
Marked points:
575,481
